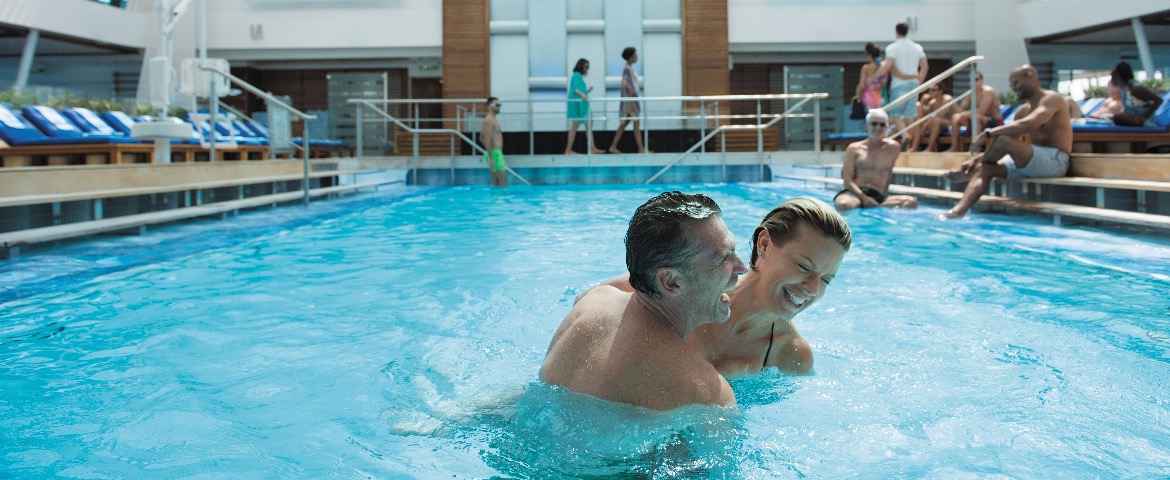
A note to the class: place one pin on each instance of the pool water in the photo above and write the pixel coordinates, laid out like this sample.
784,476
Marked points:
399,335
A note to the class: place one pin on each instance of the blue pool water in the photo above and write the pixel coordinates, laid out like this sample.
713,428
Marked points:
399,334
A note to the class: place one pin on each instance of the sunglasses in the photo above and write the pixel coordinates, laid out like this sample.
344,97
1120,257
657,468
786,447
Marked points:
877,124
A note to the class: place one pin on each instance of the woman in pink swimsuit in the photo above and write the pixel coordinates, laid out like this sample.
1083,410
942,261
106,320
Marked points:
869,86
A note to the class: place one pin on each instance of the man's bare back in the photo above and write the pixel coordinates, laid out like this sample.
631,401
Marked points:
609,347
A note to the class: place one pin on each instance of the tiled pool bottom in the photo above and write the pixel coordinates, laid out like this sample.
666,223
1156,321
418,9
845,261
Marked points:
598,175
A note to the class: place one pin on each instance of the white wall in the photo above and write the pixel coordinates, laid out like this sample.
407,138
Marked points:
337,29
1000,40
1046,17
78,18
772,22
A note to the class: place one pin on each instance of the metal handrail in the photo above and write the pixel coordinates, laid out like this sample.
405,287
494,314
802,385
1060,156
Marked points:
238,113
933,114
724,128
697,98
213,99
934,80
418,131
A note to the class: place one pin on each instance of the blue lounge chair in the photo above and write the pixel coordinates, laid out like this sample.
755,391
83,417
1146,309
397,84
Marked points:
92,124
17,131
55,125
1156,131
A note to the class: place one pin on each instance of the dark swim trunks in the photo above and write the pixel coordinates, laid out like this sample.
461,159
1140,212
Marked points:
870,191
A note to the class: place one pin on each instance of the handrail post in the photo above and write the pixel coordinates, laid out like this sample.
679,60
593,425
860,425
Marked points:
723,137
305,181
213,107
817,127
588,134
451,147
531,131
759,132
645,127
703,127
974,104
359,118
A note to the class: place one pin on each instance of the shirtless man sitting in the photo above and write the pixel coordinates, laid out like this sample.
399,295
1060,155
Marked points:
989,111
631,347
931,102
1043,118
868,168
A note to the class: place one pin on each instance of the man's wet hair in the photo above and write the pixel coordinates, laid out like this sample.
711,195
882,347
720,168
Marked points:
659,236
780,224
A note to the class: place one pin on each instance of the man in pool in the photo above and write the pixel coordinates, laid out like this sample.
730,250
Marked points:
868,167
1043,118
631,347
493,143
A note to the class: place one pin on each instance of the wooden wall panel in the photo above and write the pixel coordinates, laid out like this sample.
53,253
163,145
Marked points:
466,41
705,49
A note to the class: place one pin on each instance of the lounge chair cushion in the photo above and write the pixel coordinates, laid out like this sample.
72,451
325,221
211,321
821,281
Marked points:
119,121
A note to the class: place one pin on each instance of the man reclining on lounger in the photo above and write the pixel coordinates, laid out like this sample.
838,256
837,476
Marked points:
1043,118
868,168
631,347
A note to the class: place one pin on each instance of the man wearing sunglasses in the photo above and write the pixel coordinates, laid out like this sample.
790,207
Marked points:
868,168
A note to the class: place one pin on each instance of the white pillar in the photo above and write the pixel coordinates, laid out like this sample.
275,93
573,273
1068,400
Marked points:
1143,44
26,59
999,38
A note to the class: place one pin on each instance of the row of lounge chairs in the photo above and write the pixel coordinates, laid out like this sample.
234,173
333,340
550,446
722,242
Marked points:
43,131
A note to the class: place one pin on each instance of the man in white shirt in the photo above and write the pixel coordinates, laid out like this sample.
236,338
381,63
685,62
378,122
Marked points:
906,63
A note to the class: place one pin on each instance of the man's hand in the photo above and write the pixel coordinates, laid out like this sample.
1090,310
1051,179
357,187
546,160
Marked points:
968,166
977,142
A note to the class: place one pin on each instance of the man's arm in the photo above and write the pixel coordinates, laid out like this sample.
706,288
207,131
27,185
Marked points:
1144,94
849,174
1049,106
923,69
886,66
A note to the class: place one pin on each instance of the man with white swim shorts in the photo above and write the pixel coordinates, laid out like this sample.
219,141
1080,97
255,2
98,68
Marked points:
1043,118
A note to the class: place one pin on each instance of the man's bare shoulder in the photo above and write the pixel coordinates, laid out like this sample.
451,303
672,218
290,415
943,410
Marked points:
857,147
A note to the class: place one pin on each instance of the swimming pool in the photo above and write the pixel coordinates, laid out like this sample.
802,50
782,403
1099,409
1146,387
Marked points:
399,334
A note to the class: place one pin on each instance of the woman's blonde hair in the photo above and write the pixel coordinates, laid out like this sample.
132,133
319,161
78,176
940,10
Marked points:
781,223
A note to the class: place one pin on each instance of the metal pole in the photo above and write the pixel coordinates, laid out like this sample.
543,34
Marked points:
974,105
722,135
759,131
451,143
817,127
588,135
1143,44
531,131
26,59
645,127
359,121
201,40
305,181
703,127
214,106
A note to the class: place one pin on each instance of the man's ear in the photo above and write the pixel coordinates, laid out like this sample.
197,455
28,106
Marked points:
669,281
